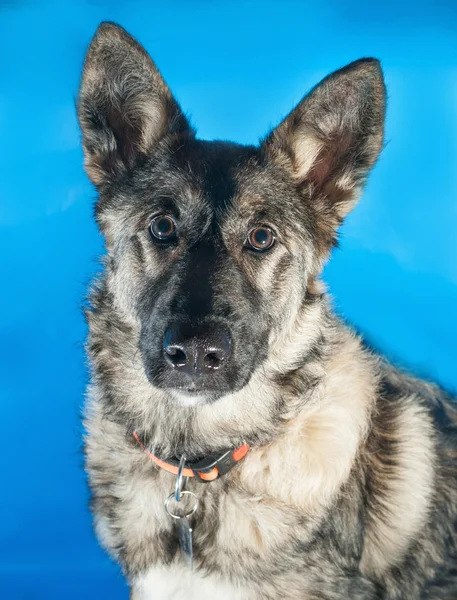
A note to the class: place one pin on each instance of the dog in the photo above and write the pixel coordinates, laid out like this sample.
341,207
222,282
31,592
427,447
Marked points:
242,442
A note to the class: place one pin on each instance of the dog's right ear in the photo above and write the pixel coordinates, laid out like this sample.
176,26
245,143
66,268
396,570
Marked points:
331,140
124,107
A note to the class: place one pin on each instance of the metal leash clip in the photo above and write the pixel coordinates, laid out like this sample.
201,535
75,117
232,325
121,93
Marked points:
181,518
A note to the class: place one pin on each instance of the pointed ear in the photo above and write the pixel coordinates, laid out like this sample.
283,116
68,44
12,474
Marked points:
331,140
124,105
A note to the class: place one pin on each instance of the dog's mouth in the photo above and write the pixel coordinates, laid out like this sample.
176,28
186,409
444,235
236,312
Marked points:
195,395
201,391
192,392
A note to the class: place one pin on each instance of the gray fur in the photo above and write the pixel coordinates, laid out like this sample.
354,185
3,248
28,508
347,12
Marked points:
349,489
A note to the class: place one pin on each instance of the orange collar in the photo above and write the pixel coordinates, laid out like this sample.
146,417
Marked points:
205,469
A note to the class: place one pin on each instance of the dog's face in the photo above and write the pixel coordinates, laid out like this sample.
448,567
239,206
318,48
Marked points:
213,247
204,257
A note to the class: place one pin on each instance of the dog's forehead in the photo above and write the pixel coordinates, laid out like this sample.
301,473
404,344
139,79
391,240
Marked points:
222,173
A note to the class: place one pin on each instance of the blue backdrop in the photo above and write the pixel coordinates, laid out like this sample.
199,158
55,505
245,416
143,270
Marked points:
237,67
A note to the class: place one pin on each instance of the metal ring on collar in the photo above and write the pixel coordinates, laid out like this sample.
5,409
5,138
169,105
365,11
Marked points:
183,493
179,479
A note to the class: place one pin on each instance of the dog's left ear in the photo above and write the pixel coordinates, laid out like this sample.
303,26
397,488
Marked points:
124,107
333,137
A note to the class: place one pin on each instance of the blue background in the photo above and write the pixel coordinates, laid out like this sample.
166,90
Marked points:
237,67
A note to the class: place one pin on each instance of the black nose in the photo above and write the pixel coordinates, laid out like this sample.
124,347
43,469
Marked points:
196,350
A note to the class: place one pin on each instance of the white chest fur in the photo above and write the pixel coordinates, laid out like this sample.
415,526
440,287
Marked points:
177,582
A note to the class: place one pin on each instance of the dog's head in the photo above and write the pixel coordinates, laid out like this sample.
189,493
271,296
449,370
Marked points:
213,247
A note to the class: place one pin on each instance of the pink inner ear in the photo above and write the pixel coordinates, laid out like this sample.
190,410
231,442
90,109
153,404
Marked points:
332,159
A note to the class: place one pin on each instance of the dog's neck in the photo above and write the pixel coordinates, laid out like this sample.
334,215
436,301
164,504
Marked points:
328,400
311,458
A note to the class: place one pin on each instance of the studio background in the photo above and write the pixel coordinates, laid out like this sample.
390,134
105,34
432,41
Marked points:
237,68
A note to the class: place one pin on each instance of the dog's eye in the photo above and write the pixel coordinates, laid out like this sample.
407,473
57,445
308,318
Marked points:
163,228
261,238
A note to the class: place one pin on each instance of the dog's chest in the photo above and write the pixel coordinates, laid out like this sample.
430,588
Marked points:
244,521
229,521
233,532
179,583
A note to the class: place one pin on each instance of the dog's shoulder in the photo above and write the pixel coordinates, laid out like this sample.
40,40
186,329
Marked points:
411,490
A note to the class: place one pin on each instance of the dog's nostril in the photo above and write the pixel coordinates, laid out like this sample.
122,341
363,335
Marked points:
176,356
215,351
194,350
212,361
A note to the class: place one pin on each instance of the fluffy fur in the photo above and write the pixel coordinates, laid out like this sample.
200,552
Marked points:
349,489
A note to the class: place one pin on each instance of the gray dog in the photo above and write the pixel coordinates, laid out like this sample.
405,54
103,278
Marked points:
242,442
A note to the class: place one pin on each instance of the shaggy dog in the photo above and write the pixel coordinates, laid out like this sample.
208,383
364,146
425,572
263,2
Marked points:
294,462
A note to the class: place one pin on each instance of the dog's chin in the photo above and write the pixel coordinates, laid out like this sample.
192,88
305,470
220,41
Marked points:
193,398
196,395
